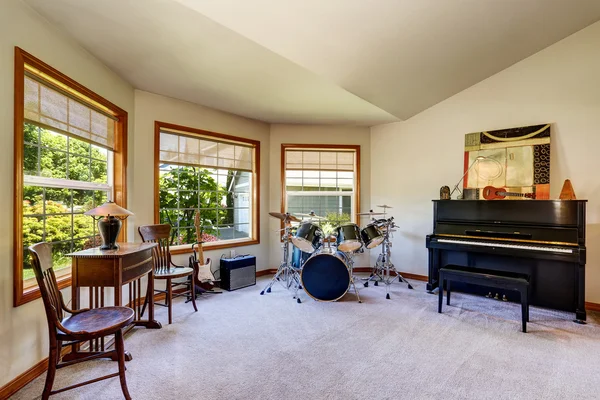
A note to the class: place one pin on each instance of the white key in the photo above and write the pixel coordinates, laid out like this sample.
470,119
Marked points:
508,246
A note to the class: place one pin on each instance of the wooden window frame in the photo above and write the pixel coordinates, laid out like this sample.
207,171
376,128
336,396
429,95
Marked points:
255,239
23,295
299,146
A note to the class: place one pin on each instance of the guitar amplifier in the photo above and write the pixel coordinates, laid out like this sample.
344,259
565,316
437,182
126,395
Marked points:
238,272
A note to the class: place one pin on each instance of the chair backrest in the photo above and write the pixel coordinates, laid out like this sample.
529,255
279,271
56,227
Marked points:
158,233
41,256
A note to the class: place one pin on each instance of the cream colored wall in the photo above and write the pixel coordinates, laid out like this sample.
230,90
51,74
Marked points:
314,134
150,107
23,330
560,84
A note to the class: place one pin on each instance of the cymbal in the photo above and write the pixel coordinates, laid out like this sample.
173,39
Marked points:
310,215
370,213
283,216
385,206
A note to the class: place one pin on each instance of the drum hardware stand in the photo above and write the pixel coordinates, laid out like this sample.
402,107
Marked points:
350,258
384,265
286,274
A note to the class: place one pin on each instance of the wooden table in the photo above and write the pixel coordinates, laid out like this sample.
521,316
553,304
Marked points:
97,269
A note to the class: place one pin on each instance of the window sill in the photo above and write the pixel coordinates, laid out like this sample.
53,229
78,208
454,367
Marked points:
33,293
216,246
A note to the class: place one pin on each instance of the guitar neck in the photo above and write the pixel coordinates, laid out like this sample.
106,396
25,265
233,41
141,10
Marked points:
514,194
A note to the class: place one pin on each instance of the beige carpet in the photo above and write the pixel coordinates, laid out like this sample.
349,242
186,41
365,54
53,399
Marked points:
241,345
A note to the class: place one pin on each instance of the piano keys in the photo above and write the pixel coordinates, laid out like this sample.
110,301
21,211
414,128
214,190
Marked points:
544,239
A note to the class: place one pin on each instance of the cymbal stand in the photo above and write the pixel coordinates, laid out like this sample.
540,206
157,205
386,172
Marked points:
286,274
384,266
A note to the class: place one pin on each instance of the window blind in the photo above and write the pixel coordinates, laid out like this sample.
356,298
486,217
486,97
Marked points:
205,152
319,160
51,108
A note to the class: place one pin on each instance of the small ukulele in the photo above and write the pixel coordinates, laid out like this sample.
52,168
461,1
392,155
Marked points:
491,193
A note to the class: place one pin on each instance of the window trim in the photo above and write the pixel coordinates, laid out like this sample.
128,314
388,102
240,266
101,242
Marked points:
255,239
22,295
299,146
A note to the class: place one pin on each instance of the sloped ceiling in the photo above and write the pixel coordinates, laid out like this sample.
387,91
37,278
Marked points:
360,62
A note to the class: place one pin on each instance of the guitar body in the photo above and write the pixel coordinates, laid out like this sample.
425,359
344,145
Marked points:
493,193
203,277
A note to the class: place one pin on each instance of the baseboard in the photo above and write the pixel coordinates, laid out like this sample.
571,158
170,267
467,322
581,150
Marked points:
26,377
266,272
592,306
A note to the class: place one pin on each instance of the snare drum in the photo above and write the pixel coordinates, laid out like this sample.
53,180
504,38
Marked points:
348,238
371,236
325,276
307,237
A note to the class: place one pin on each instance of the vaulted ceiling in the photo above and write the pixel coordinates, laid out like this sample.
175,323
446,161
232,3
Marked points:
360,62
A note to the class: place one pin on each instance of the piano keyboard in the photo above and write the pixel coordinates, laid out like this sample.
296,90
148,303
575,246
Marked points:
508,246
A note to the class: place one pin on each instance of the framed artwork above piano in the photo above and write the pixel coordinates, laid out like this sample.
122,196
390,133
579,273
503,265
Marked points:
516,160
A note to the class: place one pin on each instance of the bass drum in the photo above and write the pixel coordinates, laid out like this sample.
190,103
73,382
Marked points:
325,276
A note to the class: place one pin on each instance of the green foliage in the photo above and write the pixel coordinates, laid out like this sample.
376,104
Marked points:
54,155
185,189
333,220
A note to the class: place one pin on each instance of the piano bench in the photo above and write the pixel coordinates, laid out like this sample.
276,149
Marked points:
476,276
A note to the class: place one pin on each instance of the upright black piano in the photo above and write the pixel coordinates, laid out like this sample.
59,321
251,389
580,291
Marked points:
544,239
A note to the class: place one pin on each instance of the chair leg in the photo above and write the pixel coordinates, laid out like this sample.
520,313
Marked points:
194,295
52,361
145,300
170,299
448,291
121,360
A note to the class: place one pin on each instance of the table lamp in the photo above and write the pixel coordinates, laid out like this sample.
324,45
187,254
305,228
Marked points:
109,219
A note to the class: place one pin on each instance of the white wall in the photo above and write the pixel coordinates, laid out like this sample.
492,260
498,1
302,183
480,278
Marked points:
314,134
560,84
151,107
23,330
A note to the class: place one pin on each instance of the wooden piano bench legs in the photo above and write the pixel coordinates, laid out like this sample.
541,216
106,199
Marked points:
497,279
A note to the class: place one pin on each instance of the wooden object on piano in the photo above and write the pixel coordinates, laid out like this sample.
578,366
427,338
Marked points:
98,269
165,269
567,192
544,239
493,193
488,278
81,326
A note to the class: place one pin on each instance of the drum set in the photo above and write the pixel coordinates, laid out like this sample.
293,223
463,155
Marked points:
322,263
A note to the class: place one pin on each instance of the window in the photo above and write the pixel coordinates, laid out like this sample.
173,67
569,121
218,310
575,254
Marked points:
323,179
212,174
69,158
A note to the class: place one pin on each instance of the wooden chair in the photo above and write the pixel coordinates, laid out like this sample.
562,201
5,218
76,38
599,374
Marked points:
81,326
165,269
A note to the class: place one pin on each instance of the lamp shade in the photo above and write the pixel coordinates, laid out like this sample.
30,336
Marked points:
110,208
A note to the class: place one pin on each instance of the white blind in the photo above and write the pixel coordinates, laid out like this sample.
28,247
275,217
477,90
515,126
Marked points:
205,152
319,160
51,108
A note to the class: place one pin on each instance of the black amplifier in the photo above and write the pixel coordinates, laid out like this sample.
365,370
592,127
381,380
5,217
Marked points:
238,272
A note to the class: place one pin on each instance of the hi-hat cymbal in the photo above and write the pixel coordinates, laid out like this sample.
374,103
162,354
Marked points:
370,213
283,216
385,206
310,215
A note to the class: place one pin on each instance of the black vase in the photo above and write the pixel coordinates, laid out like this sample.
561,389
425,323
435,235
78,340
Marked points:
109,228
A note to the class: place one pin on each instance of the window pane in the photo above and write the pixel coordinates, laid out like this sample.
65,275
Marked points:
53,140
30,160
33,230
83,200
83,226
79,168
32,200
99,171
58,228
31,133
59,260
79,147
53,163
57,201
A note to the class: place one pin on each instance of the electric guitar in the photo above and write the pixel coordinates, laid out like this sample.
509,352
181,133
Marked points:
491,193
203,276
